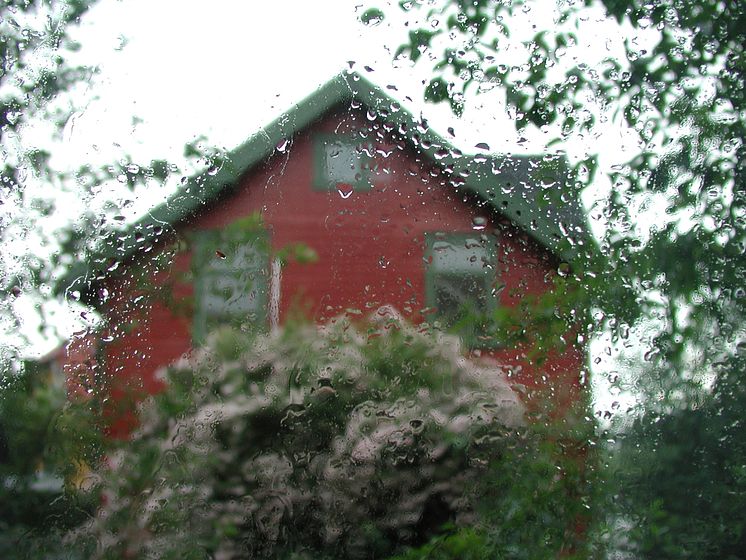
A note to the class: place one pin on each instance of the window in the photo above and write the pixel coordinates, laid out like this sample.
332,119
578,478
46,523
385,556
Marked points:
340,160
459,284
230,279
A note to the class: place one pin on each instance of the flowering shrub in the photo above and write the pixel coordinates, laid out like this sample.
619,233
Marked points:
307,442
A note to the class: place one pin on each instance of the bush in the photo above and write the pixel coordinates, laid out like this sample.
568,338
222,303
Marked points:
45,443
331,442
543,499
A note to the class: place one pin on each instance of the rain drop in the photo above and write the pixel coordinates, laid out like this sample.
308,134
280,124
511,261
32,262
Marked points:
478,223
344,190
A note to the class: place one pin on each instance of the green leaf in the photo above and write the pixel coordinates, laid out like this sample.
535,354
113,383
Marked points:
372,16
437,91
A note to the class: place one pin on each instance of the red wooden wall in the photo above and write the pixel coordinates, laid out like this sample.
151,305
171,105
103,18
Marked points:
370,246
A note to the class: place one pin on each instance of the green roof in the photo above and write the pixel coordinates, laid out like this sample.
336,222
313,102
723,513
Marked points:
533,192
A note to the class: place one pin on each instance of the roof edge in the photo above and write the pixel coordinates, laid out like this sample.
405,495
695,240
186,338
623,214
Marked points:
486,175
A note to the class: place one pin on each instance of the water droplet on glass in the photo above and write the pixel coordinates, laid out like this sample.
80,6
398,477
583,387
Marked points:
441,153
344,190
479,223
282,145
219,254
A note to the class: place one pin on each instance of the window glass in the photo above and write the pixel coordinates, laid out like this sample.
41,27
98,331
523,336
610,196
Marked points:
460,277
340,160
562,379
231,280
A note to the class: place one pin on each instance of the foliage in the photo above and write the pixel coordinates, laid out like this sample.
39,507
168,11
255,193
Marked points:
682,276
466,544
27,85
683,480
45,444
36,50
540,501
49,218
342,441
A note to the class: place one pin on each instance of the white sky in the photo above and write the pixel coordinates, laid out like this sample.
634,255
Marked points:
224,68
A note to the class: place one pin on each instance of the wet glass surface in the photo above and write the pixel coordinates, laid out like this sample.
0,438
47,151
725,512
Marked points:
437,279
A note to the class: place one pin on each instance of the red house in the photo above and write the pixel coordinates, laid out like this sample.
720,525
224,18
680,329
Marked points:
344,204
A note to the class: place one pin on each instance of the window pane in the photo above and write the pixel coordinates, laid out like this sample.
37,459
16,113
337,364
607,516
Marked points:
342,162
460,276
231,282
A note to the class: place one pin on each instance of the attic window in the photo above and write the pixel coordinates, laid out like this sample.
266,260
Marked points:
459,280
340,160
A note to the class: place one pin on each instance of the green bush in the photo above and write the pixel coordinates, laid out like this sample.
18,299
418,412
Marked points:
683,472
540,501
45,444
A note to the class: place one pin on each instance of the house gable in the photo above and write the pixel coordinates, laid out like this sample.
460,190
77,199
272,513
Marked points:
532,192
374,244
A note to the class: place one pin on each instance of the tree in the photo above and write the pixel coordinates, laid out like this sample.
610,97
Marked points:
42,223
683,276
45,445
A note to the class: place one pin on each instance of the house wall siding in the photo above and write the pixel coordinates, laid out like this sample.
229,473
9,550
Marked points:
370,246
